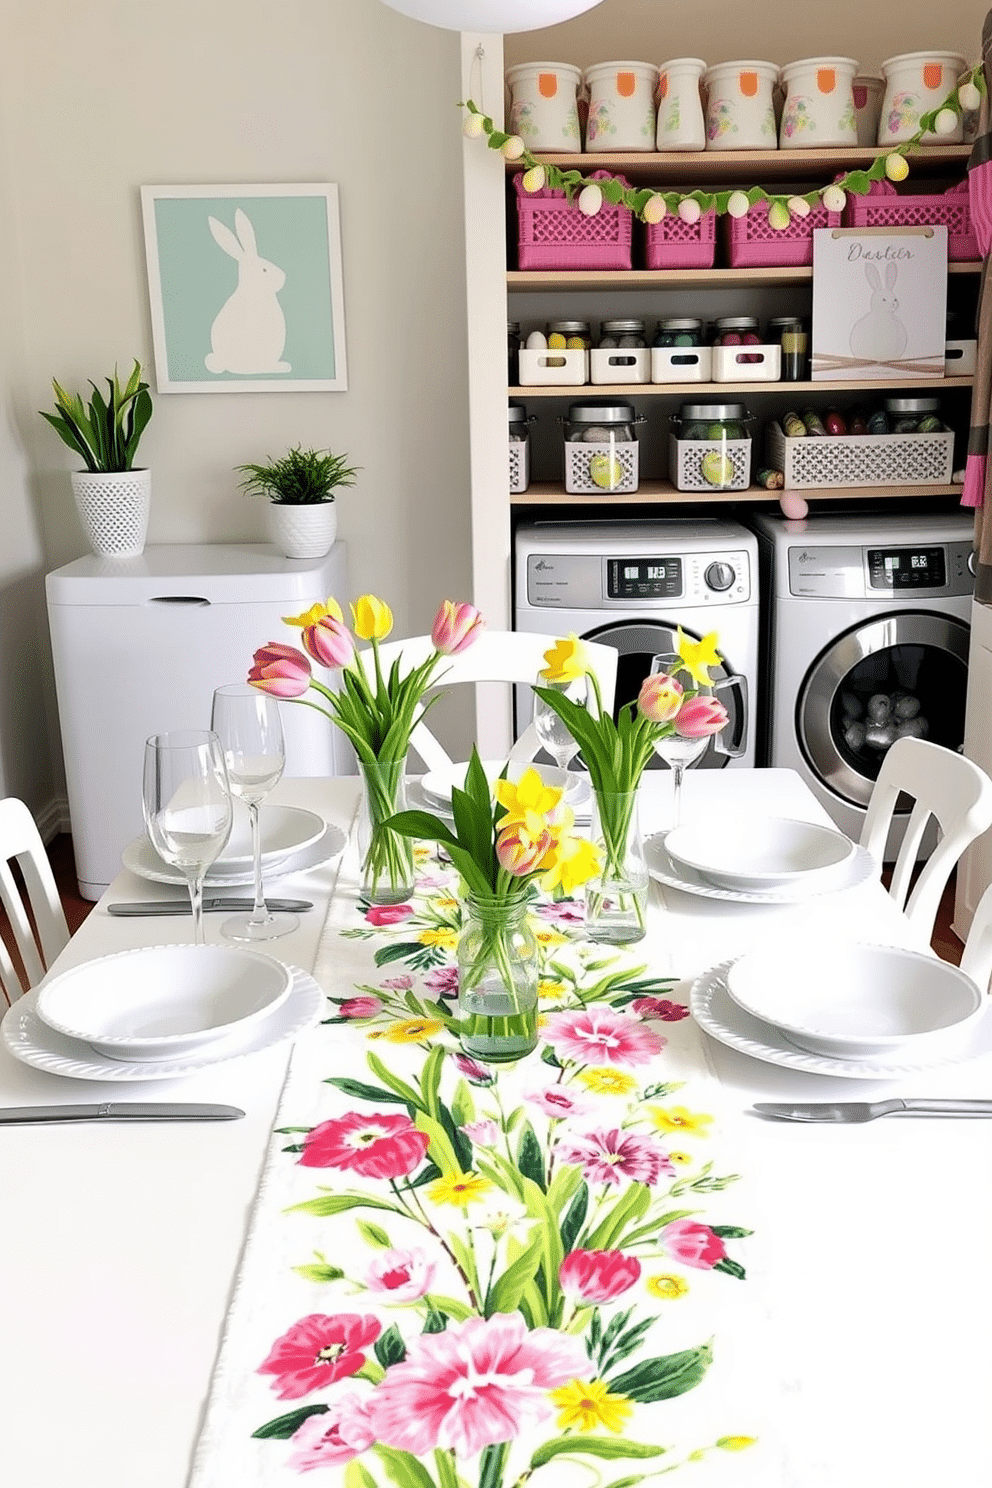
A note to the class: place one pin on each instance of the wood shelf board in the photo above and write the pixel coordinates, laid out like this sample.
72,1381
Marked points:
726,167
684,390
663,493
528,281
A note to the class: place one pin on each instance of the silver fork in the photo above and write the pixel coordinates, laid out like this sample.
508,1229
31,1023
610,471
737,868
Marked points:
857,1111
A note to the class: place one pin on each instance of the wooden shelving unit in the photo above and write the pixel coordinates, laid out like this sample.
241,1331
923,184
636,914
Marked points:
663,493
688,391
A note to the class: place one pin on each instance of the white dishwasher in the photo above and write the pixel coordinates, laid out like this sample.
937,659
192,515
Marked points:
139,644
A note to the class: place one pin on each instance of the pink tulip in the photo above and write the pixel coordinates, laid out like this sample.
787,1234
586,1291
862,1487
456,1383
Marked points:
520,853
660,698
598,1275
691,1243
280,670
456,626
329,642
700,717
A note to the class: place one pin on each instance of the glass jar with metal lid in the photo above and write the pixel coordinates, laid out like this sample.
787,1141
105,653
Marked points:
600,421
712,421
601,446
736,330
710,447
679,330
627,334
907,415
576,333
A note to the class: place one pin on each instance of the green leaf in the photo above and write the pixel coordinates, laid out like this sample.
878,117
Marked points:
509,1287
281,1428
327,1204
409,1095
857,181
360,1091
530,1158
319,1272
462,1103
357,1476
389,1347
593,1446
447,1475
664,1378
633,1205
563,1185
440,1148
373,1234
430,1079
575,1217
491,1465
450,1307
404,1469
730,1268
435,1322
730,1232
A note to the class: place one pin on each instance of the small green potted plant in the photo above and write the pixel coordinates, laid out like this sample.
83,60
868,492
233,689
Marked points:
113,497
300,485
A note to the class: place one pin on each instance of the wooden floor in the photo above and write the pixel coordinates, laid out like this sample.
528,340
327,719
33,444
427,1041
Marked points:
945,942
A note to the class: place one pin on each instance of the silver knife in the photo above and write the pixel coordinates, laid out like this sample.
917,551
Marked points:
858,1111
120,1111
211,904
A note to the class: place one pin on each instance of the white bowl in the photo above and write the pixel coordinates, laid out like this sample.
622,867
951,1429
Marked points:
163,1001
857,1001
284,830
760,852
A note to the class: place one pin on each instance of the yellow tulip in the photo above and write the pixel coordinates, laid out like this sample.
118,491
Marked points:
315,614
566,661
372,619
698,656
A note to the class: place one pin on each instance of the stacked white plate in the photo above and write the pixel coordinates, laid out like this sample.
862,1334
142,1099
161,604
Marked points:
292,840
758,860
160,1011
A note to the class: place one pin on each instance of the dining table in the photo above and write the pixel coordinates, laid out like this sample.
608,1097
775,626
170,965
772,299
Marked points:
854,1322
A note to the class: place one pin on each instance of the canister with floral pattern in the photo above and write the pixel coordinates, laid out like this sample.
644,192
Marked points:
740,113
819,104
681,125
621,106
868,92
543,105
916,83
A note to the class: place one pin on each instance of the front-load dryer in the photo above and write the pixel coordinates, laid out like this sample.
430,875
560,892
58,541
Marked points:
632,585
866,635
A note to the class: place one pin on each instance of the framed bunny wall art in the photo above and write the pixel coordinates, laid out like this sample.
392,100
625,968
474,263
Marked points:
879,303
246,288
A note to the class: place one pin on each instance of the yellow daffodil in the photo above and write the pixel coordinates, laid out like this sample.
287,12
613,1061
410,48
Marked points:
443,937
315,614
552,991
372,619
527,802
413,1031
566,662
667,1287
678,1119
606,1081
698,656
458,1189
546,937
586,1404
571,862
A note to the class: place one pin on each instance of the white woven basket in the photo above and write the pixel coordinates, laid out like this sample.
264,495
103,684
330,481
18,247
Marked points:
579,466
860,459
113,507
687,463
519,465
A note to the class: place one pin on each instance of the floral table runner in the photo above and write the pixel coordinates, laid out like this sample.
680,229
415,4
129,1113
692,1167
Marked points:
469,1276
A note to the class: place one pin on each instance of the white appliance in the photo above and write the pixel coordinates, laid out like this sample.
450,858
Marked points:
866,636
139,645
631,585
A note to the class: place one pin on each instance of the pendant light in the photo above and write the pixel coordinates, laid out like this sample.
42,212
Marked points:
498,16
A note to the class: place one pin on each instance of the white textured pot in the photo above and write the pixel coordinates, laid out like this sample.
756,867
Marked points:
303,531
113,507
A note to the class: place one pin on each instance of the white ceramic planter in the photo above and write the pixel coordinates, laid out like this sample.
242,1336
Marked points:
621,106
867,107
543,105
681,124
740,112
818,111
303,531
915,83
113,507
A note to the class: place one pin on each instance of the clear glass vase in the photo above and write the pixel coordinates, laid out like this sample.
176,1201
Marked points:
616,899
386,857
497,979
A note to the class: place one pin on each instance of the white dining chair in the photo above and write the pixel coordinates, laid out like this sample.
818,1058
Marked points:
496,656
944,785
34,912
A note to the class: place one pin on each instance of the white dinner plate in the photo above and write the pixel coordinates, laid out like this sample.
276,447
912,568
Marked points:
858,869
285,830
141,858
718,1015
32,1041
437,784
760,854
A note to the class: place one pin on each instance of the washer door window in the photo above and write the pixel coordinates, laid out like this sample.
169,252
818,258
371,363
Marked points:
906,674
638,642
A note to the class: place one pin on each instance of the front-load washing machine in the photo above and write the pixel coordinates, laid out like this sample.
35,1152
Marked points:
632,585
865,638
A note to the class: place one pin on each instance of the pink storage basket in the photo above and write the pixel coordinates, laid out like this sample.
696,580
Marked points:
884,206
750,242
674,244
554,234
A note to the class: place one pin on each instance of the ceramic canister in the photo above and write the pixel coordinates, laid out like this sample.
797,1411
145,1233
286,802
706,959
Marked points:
740,113
681,125
867,107
819,104
915,83
543,106
621,106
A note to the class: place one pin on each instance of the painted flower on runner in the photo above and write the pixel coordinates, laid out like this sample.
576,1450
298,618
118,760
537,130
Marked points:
586,1404
598,1275
691,1243
360,1007
335,1436
318,1350
401,1275
599,1035
388,914
558,1101
608,1156
479,1382
659,1007
375,1146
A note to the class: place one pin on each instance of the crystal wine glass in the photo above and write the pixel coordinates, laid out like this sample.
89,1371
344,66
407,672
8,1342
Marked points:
186,801
677,752
248,724
552,731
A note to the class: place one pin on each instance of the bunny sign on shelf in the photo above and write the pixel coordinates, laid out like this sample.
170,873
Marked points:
879,303
246,288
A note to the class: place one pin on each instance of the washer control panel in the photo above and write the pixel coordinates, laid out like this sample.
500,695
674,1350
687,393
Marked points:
904,571
579,581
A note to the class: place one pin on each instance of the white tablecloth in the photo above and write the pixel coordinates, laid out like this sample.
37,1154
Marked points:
120,1244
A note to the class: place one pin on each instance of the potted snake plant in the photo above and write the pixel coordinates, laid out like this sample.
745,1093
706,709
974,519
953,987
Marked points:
113,497
301,485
